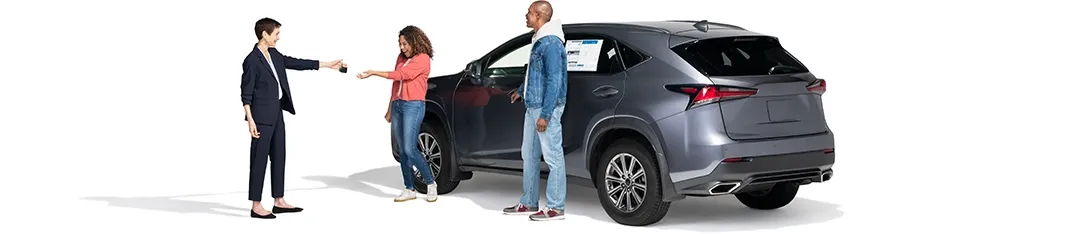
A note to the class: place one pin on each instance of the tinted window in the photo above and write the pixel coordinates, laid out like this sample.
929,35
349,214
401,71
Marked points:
630,57
516,58
510,61
591,54
739,56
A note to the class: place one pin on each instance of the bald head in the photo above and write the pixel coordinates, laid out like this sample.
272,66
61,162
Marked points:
544,10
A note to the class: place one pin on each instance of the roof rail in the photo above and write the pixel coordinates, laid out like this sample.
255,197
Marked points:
622,25
704,25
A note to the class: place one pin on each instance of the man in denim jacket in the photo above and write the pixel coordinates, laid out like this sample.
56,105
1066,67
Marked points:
544,89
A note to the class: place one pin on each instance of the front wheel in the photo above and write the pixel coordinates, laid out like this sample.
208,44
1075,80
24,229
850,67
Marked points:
435,148
629,185
780,195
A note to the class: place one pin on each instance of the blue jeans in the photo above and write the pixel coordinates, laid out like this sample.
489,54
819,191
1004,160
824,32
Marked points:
547,145
406,120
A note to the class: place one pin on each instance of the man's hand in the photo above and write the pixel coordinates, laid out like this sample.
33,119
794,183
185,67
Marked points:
388,116
515,96
253,129
542,124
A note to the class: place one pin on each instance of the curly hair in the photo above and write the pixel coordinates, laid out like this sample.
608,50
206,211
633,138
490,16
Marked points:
418,41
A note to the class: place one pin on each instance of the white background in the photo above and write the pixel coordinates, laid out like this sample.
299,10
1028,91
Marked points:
125,116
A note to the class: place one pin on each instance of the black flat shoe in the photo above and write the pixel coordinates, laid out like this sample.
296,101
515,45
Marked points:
257,216
277,209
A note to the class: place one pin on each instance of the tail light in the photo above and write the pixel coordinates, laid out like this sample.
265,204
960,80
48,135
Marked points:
819,86
706,94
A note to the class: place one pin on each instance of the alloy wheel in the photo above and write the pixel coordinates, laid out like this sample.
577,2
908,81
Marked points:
431,150
625,182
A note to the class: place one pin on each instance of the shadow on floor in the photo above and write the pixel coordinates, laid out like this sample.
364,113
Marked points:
176,204
171,204
714,214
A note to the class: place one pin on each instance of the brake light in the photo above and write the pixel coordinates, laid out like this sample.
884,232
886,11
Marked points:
818,86
706,94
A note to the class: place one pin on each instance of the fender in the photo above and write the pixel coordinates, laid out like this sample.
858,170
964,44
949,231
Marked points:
439,112
615,122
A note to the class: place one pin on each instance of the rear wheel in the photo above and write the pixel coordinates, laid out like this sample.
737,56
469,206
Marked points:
435,148
629,186
778,196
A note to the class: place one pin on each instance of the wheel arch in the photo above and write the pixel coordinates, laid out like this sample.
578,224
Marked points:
613,128
438,119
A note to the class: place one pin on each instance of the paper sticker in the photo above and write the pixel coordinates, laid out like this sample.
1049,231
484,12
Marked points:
583,54
611,53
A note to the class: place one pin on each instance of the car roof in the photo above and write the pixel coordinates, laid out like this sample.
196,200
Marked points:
685,28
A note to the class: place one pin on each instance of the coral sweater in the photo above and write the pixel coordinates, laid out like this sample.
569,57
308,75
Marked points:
409,78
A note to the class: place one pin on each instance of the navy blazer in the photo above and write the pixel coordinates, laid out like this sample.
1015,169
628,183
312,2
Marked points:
259,88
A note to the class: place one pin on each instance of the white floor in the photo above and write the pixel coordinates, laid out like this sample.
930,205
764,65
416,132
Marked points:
354,192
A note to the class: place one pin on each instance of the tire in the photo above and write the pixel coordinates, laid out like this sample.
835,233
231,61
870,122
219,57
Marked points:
780,195
442,166
634,213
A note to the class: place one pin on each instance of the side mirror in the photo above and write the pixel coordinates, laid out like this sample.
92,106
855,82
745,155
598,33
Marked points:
473,70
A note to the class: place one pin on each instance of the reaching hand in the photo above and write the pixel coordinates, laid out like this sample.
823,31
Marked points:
515,96
363,75
336,64
542,124
253,129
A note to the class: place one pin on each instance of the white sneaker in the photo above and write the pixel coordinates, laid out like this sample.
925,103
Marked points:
406,195
431,192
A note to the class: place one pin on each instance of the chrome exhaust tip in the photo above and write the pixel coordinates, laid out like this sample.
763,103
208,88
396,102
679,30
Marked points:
724,188
826,176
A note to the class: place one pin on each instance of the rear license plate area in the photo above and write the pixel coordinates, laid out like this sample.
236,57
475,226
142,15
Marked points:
780,111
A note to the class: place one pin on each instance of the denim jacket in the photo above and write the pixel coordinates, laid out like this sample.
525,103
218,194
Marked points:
546,82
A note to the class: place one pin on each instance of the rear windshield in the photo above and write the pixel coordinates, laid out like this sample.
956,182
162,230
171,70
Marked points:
739,56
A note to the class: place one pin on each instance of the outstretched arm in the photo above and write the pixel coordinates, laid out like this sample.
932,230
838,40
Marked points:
418,66
308,64
301,64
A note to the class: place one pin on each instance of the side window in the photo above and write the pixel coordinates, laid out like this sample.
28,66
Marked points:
591,54
511,64
630,57
516,58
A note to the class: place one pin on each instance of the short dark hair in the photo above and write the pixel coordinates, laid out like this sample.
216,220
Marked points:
418,40
266,25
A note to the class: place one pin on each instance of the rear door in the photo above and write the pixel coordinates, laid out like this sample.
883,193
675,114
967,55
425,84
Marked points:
595,85
782,98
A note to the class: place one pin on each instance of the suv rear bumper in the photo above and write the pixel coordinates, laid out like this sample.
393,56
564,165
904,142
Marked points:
761,172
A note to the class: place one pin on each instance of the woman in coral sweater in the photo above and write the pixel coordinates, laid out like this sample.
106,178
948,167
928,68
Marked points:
407,107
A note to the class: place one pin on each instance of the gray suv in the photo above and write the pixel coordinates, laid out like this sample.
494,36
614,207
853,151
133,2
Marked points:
671,109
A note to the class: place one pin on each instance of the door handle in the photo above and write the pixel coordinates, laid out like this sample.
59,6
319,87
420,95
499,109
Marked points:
606,91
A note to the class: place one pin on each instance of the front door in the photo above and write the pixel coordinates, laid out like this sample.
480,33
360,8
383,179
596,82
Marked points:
490,127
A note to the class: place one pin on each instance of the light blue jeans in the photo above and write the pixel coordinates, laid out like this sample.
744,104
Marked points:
547,145
406,120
